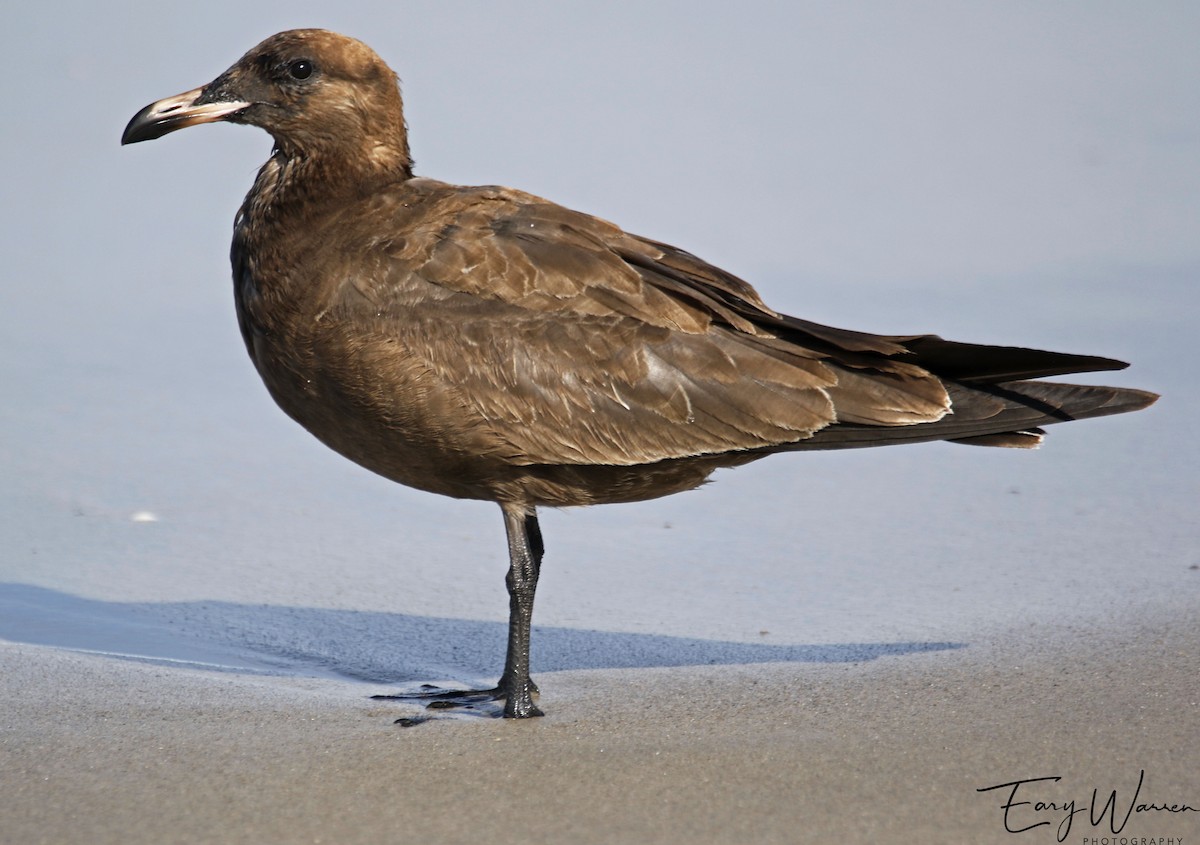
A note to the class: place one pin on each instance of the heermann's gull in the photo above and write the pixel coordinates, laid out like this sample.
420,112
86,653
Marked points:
483,343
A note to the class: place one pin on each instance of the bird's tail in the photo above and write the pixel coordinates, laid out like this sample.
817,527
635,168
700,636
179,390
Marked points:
1003,414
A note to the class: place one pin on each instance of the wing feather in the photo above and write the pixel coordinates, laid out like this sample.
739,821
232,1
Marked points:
575,342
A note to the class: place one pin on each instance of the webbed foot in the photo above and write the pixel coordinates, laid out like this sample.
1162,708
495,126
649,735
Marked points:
518,703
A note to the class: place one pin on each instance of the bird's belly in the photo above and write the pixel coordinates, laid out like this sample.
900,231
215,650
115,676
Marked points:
387,420
380,416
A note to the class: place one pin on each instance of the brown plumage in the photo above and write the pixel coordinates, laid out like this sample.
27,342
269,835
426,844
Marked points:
483,343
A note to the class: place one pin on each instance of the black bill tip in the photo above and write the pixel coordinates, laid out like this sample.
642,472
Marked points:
178,112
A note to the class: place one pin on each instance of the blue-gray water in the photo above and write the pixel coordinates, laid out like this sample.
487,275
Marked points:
1025,175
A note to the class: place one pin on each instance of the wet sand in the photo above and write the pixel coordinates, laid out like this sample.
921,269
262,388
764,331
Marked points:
986,210
102,750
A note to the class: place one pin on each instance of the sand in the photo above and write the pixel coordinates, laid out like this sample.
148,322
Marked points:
894,750
940,619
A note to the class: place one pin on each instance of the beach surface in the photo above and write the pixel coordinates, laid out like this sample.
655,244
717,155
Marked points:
893,750
198,600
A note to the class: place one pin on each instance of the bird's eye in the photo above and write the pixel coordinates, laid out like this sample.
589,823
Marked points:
300,68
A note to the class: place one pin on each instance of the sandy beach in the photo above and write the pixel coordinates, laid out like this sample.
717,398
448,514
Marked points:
889,751
197,600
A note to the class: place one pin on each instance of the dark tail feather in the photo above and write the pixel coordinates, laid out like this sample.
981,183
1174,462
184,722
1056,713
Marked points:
1005,414
948,359
972,362
1029,439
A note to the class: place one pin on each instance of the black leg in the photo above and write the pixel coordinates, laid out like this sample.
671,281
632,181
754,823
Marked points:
525,549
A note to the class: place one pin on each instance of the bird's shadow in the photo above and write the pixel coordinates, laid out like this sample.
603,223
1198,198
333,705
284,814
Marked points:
368,646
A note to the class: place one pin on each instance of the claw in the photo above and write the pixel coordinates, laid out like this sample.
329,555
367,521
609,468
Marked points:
516,706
